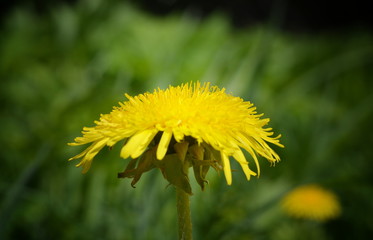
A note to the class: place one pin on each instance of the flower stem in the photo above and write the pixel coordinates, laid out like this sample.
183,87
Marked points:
183,213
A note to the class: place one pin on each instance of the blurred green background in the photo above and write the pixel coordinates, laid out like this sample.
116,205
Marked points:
60,70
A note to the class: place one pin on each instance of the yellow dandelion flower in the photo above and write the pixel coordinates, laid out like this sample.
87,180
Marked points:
192,125
311,202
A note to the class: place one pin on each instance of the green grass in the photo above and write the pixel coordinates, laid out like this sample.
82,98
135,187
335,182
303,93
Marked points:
60,71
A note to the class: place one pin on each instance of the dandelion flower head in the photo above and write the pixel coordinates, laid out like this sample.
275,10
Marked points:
311,202
193,125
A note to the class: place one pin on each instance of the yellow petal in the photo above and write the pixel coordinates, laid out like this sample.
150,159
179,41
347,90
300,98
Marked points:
227,168
138,143
252,153
90,154
86,166
163,144
240,157
179,135
82,153
248,147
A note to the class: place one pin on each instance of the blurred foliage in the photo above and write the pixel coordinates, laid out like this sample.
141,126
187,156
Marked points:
60,71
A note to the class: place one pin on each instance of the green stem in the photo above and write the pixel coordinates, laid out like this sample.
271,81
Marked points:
183,213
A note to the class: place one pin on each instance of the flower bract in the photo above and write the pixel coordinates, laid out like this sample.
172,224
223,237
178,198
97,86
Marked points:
193,125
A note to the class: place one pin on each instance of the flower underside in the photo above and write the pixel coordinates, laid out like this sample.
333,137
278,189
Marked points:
191,125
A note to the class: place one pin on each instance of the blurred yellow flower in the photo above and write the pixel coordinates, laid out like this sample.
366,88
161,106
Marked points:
192,125
311,202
